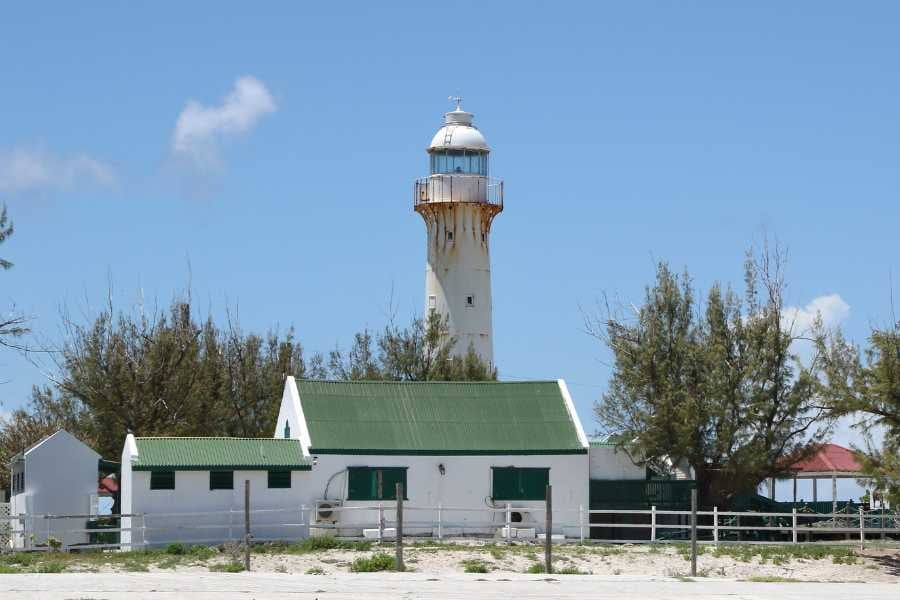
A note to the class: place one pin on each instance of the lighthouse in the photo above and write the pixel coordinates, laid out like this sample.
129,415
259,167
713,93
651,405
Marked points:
458,202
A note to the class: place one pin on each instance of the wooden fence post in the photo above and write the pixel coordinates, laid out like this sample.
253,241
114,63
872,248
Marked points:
508,522
862,529
653,523
794,525
694,532
380,523
716,525
581,523
548,531
246,524
399,554
440,521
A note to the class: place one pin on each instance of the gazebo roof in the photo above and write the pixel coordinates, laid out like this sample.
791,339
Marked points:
830,459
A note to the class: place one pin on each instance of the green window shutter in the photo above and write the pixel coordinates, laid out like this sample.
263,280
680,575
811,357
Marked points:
162,480
512,483
221,480
375,483
361,485
279,479
390,477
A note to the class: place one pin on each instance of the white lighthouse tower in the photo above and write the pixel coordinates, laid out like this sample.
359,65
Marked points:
458,202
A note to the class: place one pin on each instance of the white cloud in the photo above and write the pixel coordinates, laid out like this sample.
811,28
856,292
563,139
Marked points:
29,169
200,129
830,308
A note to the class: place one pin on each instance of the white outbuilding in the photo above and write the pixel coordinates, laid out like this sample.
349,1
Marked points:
457,448
58,477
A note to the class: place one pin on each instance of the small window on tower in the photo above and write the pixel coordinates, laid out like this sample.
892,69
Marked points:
450,235
470,301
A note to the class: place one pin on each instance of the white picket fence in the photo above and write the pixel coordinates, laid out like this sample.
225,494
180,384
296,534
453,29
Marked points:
30,532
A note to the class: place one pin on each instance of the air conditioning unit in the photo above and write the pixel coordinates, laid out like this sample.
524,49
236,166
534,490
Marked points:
520,516
325,511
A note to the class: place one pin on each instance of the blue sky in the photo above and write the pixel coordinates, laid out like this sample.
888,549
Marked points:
626,133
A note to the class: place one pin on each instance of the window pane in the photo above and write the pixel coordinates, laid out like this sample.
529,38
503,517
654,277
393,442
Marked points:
361,484
162,480
221,480
279,479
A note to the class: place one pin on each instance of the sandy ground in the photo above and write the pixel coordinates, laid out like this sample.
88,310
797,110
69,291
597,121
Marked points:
345,586
870,566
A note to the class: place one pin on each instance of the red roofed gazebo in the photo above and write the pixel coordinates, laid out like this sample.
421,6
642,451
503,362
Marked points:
829,462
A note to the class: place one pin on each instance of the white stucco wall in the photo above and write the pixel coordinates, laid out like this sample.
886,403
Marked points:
466,483
613,463
60,479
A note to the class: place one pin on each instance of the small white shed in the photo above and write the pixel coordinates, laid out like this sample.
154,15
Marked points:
56,476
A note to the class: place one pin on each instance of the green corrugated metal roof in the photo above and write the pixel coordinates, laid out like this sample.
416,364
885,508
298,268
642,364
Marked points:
194,453
438,418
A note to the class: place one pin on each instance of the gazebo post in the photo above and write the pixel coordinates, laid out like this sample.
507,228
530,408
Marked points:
815,490
834,493
795,488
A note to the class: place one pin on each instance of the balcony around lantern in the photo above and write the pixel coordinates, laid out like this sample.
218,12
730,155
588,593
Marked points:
474,189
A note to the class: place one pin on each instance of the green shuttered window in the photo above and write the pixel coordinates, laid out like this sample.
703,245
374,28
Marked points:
162,480
221,480
376,483
513,483
279,479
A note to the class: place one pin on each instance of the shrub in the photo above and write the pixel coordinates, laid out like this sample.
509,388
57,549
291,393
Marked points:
535,568
571,570
51,567
229,567
376,562
176,549
473,565
315,571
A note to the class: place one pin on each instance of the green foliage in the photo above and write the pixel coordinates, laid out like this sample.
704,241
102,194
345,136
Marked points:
229,567
313,544
771,579
474,565
571,570
6,230
376,562
715,384
421,352
783,554
177,549
868,382
536,568
315,571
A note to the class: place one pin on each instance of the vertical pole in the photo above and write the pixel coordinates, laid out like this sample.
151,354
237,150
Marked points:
508,522
399,555
653,523
581,523
548,531
815,490
440,521
771,488
246,524
833,493
694,532
862,529
380,522
716,525
794,524
795,489
303,512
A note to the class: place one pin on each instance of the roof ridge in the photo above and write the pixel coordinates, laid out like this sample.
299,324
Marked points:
215,437
378,381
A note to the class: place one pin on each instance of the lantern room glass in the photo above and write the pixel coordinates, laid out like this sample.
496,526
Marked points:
465,162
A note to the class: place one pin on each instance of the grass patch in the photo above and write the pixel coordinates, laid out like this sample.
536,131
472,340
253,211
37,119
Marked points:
315,571
229,567
780,555
571,570
311,545
536,568
771,579
53,566
474,565
377,562
497,553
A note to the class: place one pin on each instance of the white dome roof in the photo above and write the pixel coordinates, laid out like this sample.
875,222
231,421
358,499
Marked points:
459,133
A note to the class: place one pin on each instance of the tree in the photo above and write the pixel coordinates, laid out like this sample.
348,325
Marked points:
423,351
867,383
715,386
12,324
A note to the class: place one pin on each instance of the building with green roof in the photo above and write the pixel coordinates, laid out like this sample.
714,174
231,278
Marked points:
456,444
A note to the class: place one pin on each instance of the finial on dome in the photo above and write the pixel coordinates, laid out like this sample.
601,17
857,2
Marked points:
458,100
